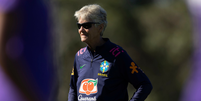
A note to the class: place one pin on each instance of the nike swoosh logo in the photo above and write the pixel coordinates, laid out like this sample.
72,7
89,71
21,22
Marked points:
82,66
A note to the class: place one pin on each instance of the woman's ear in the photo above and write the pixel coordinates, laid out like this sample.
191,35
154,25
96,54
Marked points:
101,27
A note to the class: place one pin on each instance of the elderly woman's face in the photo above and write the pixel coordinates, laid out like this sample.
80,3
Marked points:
88,32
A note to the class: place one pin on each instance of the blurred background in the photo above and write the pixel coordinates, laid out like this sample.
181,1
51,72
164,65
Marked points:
157,34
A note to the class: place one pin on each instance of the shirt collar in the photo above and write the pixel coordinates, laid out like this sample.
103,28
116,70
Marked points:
100,48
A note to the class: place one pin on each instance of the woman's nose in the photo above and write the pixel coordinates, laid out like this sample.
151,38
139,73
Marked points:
81,28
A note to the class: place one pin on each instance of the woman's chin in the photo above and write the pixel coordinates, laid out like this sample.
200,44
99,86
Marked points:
83,39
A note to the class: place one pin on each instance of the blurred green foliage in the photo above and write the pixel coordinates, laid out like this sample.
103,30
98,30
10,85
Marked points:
157,35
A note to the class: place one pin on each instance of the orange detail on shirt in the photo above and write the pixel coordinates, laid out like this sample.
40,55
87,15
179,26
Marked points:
134,67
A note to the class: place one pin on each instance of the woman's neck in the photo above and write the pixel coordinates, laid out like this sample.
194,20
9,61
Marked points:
93,45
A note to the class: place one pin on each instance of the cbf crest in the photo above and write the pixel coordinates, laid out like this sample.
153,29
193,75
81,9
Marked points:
104,67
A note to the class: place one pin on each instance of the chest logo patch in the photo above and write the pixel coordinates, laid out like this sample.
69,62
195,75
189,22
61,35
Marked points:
104,66
88,86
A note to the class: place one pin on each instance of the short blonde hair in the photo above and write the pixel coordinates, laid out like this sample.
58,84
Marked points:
93,13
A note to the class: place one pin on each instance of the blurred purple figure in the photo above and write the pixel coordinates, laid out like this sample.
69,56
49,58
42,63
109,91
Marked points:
8,91
192,90
6,5
26,58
